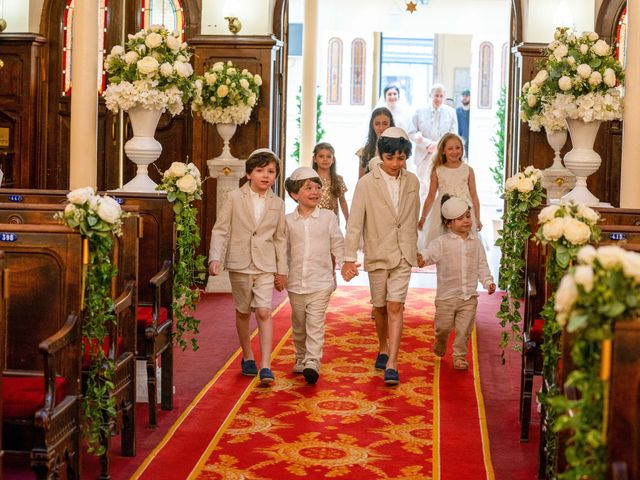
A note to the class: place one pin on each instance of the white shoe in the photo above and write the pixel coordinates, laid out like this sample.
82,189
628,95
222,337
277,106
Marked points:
299,366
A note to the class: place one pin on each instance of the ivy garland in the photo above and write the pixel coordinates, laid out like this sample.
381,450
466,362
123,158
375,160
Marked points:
183,185
97,219
564,229
603,289
522,193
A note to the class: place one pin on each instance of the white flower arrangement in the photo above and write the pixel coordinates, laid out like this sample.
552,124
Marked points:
226,94
524,182
580,78
570,224
182,181
92,214
153,71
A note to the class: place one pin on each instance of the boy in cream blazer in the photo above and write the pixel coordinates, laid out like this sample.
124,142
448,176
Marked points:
249,240
385,210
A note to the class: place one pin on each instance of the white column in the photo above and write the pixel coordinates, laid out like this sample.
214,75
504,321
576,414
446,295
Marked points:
83,169
309,81
630,170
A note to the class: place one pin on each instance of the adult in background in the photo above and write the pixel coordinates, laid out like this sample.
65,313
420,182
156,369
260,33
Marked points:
397,105
428,125
462,114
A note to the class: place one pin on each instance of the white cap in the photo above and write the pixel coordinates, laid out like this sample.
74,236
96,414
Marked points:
262,150
453,208
302,173
395,132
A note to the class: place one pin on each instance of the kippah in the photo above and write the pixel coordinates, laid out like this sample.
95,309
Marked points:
302,173
395,132
263,150
453,208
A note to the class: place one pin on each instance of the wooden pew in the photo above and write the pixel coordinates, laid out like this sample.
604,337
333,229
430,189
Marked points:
43,271
122,347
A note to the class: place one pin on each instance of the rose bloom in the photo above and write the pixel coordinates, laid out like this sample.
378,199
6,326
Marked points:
610,77
561,51
177,169
584,48
584,70
595,78
217,67
511,184
222,91
541,76
583,275
548,213
79,196
210,78
244,84
525,184
131,57
153,40
173,43
532,100
553,229
187,184
258,79
148,65
600,48
610,256
166,69
566,295
575,231
631,265
109,210
181,69
588,214
117,50
564,83
587,254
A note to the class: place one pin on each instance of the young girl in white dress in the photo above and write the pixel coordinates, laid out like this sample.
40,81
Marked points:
449,174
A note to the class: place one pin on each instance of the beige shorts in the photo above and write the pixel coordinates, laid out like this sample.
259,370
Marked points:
251,290
390,285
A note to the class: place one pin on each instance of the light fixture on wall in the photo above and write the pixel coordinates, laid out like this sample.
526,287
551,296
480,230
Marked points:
234,24
231,9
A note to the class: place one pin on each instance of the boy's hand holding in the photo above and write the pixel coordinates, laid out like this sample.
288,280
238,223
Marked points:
421,262
280,282
349,270
492,289
214,267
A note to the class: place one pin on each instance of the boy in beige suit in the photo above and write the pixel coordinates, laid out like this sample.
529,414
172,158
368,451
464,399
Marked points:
249,240
385,212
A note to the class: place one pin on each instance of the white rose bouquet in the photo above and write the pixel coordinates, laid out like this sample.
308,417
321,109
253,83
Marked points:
226,94
152,71
579,78
183,184
91,214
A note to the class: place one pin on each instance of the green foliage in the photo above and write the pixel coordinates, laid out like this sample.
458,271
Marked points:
182,183
497,140
512,242
320,131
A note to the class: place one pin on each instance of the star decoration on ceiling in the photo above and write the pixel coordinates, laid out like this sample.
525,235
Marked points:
411,6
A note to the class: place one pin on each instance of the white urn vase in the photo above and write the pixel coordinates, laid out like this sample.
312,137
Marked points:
556,179
582,160
226,131
142,149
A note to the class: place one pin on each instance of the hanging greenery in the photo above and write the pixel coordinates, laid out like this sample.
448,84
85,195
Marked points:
319,129
183,185
497,171
523,192
565,229
602,289
98,219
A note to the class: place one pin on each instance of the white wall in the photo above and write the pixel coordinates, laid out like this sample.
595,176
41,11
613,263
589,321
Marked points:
256,16
541,17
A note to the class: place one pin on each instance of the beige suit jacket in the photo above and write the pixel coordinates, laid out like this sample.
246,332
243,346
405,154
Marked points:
388,236
237,240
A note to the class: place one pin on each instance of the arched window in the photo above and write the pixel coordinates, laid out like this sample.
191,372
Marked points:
621,38
504,67
357,71
485,75
163,12
334,72
68,46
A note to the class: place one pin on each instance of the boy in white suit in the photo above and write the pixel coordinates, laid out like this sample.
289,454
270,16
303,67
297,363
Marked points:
385,210
249,240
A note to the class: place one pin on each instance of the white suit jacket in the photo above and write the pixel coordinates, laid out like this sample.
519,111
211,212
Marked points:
432,131
237,239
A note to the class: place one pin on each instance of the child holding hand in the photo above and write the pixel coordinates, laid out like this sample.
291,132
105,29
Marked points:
313,238
249,240
461,263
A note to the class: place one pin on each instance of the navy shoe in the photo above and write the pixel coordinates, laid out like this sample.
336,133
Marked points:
249,368
311,375
266,377
391,376
381,361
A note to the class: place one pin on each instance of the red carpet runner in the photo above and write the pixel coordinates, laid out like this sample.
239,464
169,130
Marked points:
349,425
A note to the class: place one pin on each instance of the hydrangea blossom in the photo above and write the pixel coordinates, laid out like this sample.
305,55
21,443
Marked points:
579,78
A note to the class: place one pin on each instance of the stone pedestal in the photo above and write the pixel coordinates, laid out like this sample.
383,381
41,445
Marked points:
228,174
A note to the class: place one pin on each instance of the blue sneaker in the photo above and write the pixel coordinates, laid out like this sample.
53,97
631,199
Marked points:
381,361
266,377
249,368
391,376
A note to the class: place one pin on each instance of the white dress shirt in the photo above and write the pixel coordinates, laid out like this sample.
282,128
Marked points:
393,186
258,201
310,243
461,263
